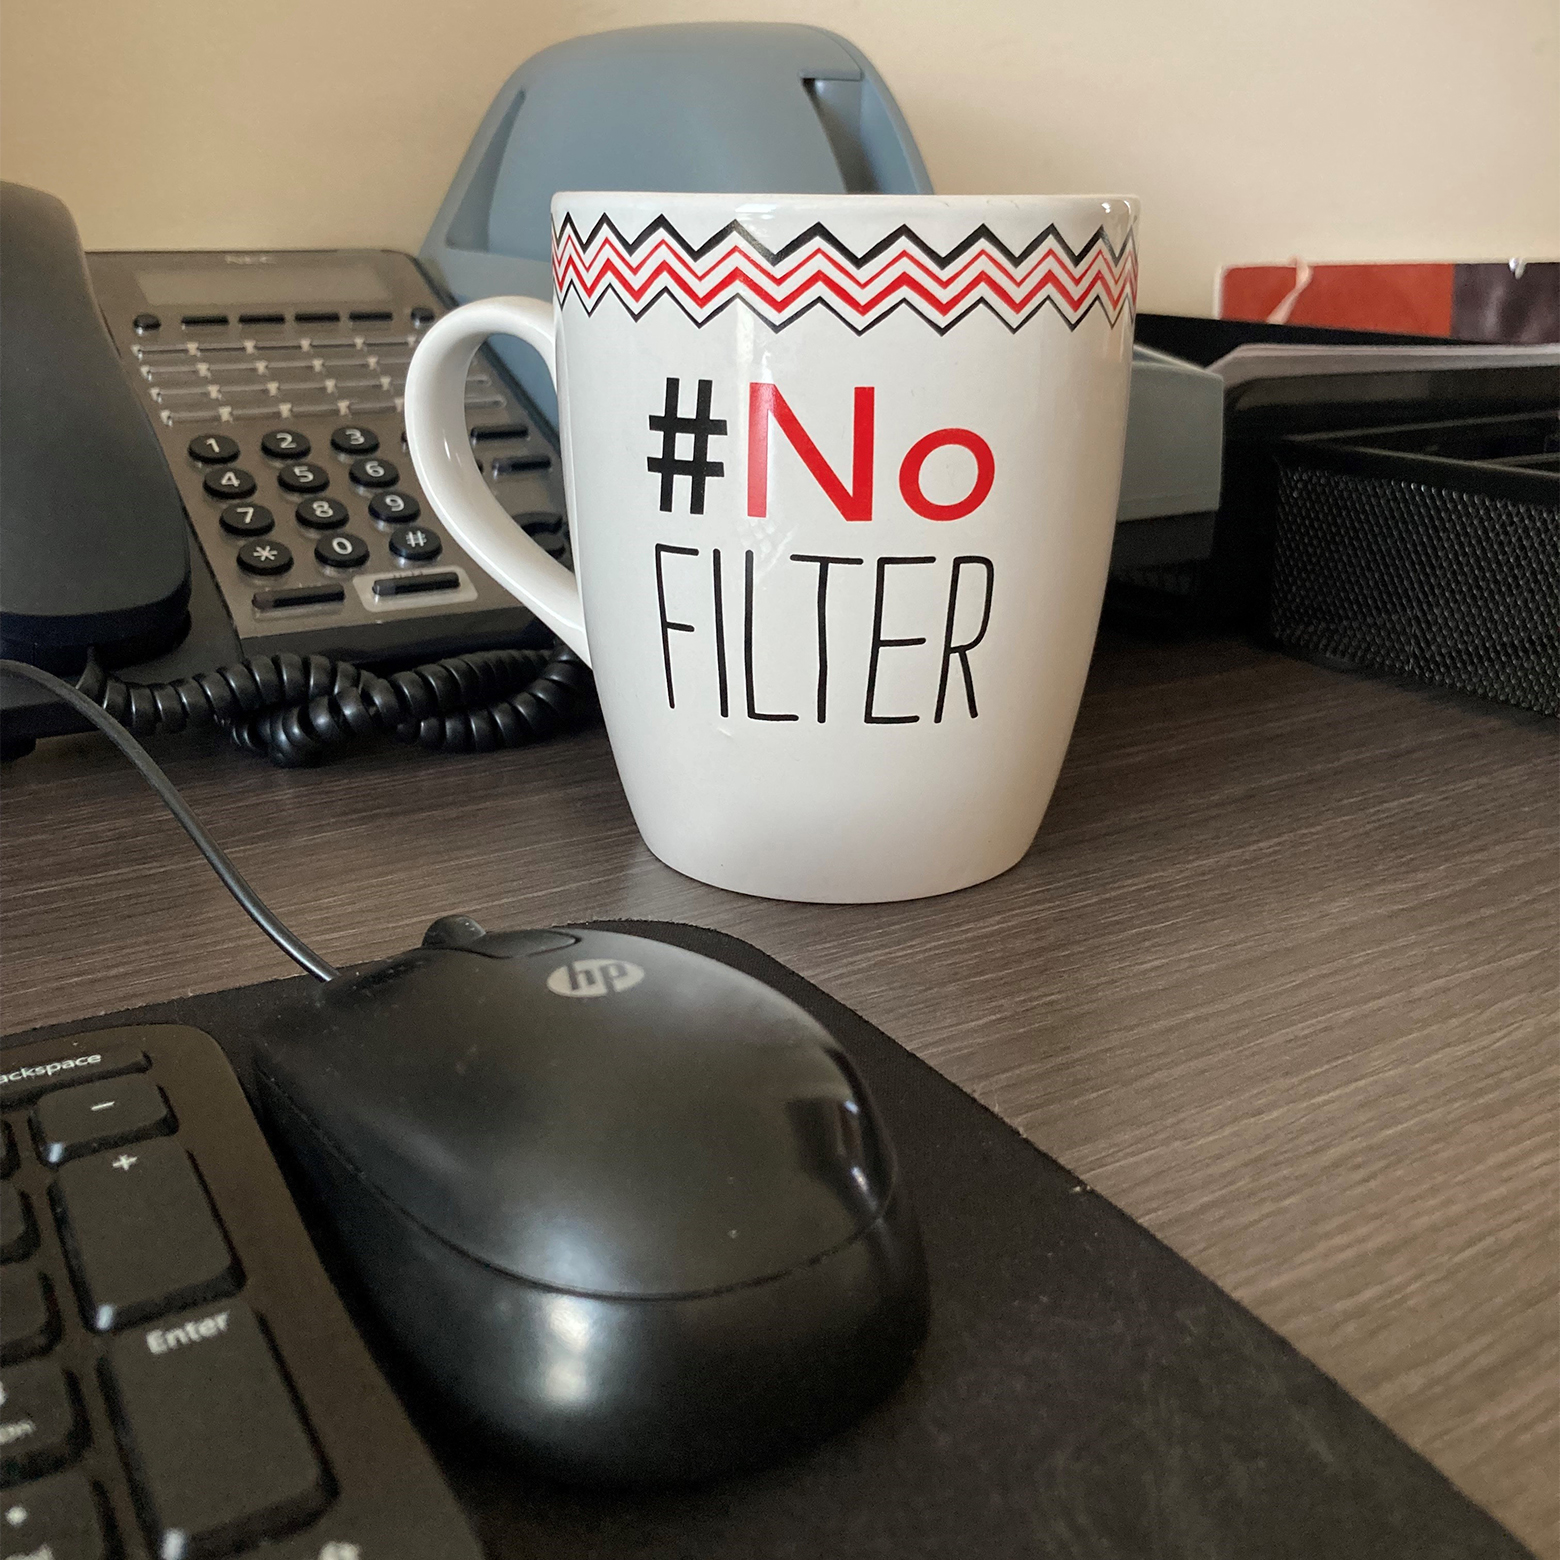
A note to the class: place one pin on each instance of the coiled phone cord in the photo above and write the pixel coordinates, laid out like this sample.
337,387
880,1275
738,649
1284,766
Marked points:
295,709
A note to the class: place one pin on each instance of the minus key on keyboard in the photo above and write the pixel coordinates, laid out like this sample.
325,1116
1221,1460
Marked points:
71,1123
140,1234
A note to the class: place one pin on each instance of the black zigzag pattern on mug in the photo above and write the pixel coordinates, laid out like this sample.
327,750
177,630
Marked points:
816,270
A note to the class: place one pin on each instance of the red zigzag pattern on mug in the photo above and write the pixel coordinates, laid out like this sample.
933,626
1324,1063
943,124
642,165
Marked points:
815,270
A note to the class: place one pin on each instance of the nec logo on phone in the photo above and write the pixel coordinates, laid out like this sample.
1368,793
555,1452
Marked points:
594,977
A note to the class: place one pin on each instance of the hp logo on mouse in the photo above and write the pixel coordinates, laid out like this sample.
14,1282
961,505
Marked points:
594,977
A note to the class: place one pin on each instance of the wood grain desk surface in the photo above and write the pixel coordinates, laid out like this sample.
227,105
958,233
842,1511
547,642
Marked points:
1280,976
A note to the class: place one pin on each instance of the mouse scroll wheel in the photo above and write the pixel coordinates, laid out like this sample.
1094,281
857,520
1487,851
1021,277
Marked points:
461,934
453,931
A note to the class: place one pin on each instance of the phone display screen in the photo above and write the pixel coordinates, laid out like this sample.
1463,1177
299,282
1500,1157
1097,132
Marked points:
201,286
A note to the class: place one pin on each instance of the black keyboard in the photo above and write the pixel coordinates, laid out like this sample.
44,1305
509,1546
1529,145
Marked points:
179,1377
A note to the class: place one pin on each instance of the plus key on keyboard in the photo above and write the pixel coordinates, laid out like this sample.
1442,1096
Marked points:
141,1234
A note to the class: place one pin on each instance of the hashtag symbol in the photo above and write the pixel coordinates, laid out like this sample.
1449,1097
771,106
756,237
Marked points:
700,427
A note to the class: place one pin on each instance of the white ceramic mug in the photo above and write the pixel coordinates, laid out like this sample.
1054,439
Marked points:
842,475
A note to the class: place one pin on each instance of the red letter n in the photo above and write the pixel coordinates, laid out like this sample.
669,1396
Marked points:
853,502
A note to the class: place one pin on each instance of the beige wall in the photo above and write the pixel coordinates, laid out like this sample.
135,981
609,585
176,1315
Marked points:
1253,129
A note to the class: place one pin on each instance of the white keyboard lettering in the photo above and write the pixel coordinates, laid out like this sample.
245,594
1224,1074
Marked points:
160,1340
49,1069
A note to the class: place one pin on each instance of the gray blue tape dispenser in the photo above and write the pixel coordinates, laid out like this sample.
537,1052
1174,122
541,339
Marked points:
758,107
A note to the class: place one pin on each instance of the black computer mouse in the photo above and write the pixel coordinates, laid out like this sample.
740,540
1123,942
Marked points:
627,1208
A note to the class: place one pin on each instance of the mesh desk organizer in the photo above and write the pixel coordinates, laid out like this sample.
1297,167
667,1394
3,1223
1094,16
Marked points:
1429,549
1389,505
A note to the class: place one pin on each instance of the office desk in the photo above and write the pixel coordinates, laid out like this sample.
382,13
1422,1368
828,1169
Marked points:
1279,977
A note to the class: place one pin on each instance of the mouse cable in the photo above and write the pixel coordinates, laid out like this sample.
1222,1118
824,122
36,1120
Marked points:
232,879
294,709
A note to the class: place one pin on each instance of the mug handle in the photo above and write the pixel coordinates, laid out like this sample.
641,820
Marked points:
441,453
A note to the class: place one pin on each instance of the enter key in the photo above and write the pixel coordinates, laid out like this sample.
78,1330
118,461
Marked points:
212,1436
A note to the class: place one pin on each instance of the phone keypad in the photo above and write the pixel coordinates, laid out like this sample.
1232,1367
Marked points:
322,514
266,557
394,508
247,520
303,477
285,444
342,550
372,472
353,440
229,482
213,448
416,543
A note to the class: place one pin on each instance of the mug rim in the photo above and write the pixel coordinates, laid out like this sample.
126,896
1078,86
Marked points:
848,198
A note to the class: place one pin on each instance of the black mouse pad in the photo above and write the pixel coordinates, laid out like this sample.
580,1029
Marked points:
1083,1391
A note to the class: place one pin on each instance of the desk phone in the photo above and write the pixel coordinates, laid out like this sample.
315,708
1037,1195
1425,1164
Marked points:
274,382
